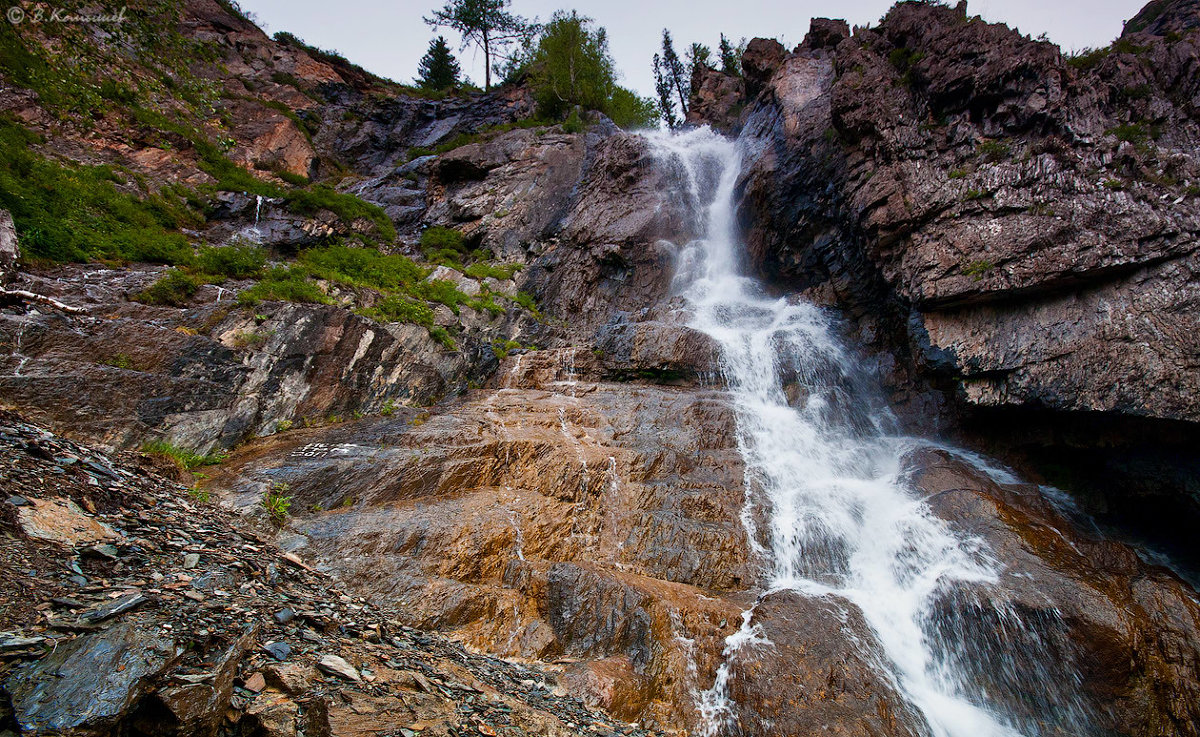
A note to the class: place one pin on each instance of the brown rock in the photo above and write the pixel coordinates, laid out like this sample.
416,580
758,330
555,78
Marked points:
61,521
763,56
256,683
291,678
274,715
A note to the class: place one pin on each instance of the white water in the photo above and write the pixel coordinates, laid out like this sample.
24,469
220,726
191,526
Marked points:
841,519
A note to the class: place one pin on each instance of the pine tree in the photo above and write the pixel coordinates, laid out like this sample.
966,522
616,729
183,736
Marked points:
438,69
484,23
699,59
666,101
731,56
675,72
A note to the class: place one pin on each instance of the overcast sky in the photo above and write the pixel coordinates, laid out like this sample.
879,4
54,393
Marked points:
387,37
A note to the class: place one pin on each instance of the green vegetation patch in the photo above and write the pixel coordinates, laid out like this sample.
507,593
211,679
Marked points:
66,212
182,457
174,288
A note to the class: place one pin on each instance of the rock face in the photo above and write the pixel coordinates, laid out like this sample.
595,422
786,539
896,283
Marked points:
1016,228
556,515
201,656
1004,229
208,376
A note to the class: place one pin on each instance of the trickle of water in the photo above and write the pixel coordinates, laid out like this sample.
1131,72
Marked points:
818,439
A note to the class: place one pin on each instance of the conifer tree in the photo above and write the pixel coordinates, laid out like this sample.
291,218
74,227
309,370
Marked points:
731,56
438,69
484,23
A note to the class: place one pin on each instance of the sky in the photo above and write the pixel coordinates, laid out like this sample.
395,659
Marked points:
387,37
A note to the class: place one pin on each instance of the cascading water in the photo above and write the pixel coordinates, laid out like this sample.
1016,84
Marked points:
820,442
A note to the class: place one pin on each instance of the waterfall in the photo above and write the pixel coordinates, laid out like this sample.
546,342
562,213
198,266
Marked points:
818,437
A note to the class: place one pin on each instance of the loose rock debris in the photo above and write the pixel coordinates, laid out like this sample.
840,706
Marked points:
128,607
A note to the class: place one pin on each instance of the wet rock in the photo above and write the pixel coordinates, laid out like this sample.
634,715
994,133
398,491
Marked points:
1101,614
89,684
817,670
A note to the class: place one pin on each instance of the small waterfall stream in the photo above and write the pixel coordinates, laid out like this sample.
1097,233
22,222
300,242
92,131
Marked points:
818,437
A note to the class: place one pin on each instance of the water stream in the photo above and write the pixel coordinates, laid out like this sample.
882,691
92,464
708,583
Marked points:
820,442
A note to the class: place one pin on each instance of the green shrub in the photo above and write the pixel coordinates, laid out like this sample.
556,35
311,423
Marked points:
174,288
958,174
277,502
365,267
442,291
345,206
283,284
1087,59
293,179
238,260
977,269
114,91
480,270
573,123
525,299
502,347
1135,133
438,238
401,309
442,335
120,360
65,212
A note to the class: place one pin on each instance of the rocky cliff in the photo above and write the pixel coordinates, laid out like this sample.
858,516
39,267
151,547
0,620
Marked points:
519,443
1013,227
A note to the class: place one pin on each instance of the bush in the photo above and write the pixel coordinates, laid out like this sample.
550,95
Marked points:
993,151
480,270
630,111
438,239
174,288
76,213
284,284
365,267
237,260
345,206
401,309
442,291
573,123
1135,133
277,502
442,335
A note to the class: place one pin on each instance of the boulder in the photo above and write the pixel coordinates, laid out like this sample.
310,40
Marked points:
86,686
